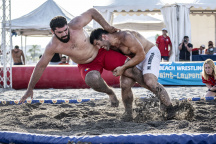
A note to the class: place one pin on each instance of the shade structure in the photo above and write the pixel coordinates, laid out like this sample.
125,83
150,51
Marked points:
175,13
36,23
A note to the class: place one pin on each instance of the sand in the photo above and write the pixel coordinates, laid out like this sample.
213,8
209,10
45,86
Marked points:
175,92
98,117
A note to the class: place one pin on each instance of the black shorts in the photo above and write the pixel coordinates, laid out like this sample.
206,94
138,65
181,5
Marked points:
18,63
165,57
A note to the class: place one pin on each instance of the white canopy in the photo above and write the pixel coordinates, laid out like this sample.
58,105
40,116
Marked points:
137,22
37,21
175,13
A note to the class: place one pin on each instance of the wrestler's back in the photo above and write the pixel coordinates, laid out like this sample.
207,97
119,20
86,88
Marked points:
147,45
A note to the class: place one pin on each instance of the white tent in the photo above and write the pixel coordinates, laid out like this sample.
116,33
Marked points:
175,13
37,22
137,22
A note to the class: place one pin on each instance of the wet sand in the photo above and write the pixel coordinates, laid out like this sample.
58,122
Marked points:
98,117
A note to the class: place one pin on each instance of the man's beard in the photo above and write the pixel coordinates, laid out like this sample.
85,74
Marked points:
64,40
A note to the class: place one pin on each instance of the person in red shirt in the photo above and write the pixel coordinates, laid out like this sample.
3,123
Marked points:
209,77
162,43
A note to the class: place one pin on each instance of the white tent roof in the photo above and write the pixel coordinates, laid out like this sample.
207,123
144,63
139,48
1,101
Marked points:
120,19
139,23
37,21
129,5
176,27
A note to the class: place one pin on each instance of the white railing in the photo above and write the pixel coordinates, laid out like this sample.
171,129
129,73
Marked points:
6,45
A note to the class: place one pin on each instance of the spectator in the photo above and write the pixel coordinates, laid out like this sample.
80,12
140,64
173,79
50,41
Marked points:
185,48
211,43
199,51
202,49
56,59
16,55
162,43
63,61
208,77
210,50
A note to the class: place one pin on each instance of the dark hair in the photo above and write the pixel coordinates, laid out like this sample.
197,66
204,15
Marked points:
186,37
97,34
63,57
58,21
16,46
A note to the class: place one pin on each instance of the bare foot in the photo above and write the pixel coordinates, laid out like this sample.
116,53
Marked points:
114,101
126,117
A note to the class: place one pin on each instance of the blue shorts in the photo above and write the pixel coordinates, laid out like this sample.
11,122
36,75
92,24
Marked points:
165,57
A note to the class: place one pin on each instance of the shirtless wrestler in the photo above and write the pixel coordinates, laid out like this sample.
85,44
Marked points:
16,55
71,40
144,55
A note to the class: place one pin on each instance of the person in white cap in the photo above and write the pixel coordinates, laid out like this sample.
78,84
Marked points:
202,49
162,43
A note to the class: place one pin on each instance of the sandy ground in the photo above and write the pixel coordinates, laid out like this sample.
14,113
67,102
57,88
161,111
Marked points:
175,92
97,117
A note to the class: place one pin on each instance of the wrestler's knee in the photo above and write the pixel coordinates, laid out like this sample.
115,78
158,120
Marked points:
128,73
92,78
124,84
150,83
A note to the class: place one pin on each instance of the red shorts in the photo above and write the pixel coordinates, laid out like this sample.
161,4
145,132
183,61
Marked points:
108,60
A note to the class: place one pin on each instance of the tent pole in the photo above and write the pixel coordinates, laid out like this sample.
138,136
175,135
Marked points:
215,28
177,16
25,45
21,43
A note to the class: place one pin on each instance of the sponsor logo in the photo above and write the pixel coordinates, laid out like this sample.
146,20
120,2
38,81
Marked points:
54,101
4,102
29,101
41,101
150,61
189,99
150,58
87,69
79,100
16,101
67,101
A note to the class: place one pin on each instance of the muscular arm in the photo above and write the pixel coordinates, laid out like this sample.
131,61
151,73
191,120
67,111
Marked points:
136,48
80,21
40,67
38,71
23,57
